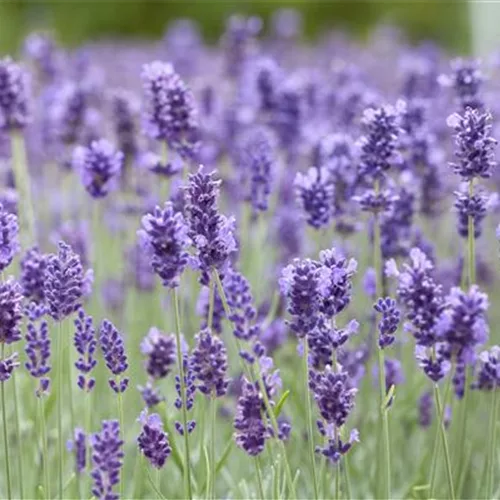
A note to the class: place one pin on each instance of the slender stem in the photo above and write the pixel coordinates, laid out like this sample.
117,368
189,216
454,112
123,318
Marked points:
212,444
493,443
310,435
378,266
21,173
17,428
444,440
5,435
122,429
256,461
347,477
267,405
337,482
59,406
211,299
187,466
472,241
45,453
70,382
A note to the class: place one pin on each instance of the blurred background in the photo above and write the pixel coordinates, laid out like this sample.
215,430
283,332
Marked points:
73,21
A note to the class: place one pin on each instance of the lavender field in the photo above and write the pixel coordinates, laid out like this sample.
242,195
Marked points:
257,269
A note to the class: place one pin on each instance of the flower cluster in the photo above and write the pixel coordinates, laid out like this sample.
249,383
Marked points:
85,343
153,441
113,350
14,95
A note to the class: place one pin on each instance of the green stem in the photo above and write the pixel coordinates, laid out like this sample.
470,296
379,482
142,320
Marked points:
493,443
187,466
21,174
259,477
211,299
347,477
310,435
17,428
337,482
267,405
444,440
59,407
5,435
212,444
45,453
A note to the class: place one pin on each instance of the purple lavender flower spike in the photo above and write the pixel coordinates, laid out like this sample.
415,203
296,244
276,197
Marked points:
165,237
315,196
42,50
425,409
78,445
10,312
113,350
153,440
33,266
335,447
125,108
463,323
150,395
420,294
377,203
107,460
475,206
209,364
379,144
250,431
85,343
211,232
7,366
435,366
9,243
488,374
240,300
474,144
38,352
305,283
171,113
98,165
14,95
257,162
189,383
466,80
339,291
389,321
160,351
63,287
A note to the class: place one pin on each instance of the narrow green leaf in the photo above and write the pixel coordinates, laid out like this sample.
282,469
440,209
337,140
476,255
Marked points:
281,402
390,395
176,457
207,484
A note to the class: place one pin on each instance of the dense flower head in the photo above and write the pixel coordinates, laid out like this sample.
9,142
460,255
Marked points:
165,237
190,388
474,146
113,350
315,193
98,165
333,394
107,460
466,80
211,232
209,364
10,311
33,265
125,107
267,75
85,342
488,373
420,294
9,231
153,440
250,430
77,236
78,445
160,350
474,206
339,291
379,143
257,162
42,50
380,202
335,447
38,352
63,286
306,284
240,301
434,364
171,113
389,321
14,95
150,395
7,366
463,322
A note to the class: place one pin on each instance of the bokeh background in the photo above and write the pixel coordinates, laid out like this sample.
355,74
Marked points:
77,21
